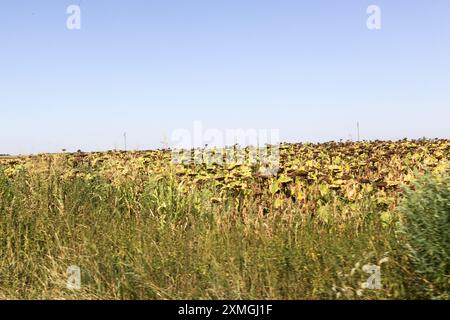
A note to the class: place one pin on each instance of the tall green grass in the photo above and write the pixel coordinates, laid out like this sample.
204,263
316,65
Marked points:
152,240
426,227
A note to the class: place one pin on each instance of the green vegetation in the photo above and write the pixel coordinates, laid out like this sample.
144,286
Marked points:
426,210
141,227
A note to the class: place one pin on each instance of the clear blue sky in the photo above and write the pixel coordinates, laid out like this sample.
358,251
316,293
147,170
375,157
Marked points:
308,68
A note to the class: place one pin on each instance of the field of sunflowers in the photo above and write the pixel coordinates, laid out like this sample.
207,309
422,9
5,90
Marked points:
142,226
